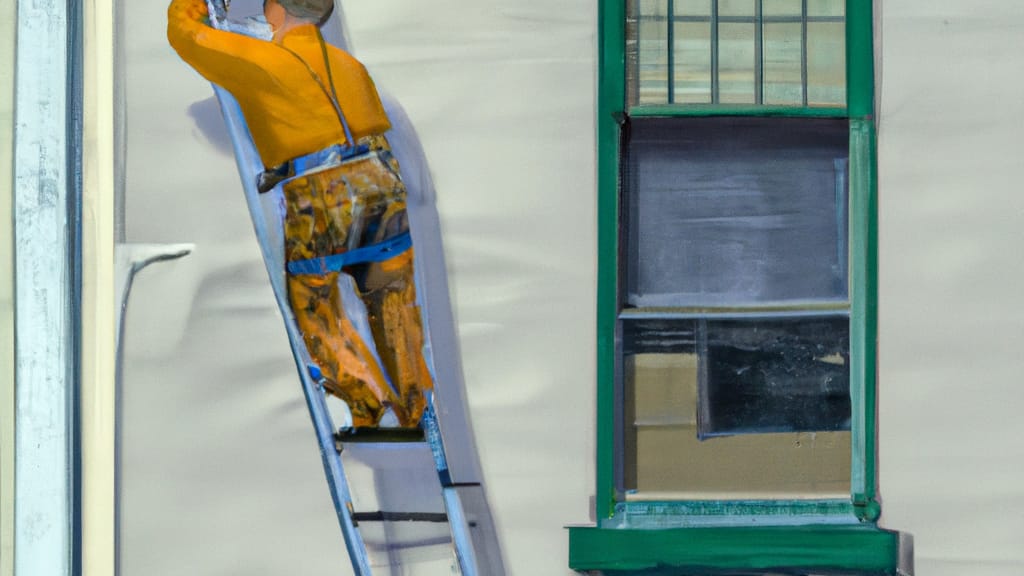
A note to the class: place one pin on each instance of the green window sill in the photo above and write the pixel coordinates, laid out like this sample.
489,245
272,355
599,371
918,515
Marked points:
863,550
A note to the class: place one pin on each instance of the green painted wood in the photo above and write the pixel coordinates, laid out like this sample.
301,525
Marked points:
863,314
802,538
677,110
860,104
832,549
611,103
742,511
860,58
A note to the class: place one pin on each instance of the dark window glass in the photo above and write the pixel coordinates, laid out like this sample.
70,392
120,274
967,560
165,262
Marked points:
734,212
788,375
725,408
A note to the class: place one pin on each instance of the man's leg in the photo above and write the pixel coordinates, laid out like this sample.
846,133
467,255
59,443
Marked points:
398,333
349,368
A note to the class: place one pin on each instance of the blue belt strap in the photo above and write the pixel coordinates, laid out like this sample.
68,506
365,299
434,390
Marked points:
330,155
378,252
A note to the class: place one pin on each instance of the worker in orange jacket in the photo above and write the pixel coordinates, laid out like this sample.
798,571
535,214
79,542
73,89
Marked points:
318,123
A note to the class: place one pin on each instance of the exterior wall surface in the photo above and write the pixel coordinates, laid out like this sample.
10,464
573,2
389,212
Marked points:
220,469
951,325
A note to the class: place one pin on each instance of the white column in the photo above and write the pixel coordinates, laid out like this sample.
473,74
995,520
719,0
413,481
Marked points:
44,378
100,300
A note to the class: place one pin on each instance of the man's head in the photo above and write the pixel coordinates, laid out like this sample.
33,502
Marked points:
316,11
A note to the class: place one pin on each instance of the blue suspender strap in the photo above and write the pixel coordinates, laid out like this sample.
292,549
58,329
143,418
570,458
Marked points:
373,253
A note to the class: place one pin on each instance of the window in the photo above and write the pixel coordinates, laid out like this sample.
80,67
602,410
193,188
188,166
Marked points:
762,52
732,363
736,409
736,292
735,311
735,212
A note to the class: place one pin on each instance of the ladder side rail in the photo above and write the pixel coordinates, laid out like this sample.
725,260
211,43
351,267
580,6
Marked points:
462,539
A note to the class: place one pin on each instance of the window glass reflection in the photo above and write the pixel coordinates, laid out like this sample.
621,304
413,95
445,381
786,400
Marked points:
665,376
792,55
652,51
736,7
692,72
783,79
826,64
826,8
736,57
781,7
736,212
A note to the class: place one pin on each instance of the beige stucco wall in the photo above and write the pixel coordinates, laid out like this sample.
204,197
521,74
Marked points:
952,222
221,474
221,471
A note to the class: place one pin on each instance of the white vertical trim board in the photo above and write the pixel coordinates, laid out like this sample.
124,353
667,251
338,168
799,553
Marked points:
43,486
99,298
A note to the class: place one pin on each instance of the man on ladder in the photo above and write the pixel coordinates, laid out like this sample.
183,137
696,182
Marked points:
329,205
317,121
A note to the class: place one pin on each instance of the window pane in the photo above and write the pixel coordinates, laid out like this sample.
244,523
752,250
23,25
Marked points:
826,8
664,395
782,64
693,7
666,459
736,7
693,63
781,7
666,391
776,376
729,211
653,7
652,52
736,63
826,64
716,61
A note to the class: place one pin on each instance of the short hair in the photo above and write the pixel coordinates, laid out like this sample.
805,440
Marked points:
315,10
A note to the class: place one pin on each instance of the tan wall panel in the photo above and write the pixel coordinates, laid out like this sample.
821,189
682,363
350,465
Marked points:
673,463
6,289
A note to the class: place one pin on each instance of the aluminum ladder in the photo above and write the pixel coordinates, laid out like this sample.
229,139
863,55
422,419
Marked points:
442,445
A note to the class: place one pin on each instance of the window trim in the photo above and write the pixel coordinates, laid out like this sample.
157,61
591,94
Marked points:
689,537
859,550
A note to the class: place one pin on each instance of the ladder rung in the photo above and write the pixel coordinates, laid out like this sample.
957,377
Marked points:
377,435
399,517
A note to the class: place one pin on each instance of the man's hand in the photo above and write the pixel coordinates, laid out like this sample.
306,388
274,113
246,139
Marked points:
190,10
220,9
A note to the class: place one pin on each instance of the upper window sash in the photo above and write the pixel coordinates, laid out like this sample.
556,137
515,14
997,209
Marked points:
774,54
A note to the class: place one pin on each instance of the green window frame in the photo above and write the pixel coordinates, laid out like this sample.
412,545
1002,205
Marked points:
696,537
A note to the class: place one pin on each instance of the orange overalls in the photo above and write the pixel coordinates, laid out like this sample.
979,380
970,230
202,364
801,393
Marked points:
336,217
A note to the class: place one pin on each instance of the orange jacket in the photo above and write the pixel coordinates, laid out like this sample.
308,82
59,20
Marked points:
288,113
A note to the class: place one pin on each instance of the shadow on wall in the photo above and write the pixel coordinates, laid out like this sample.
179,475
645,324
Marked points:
206,116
